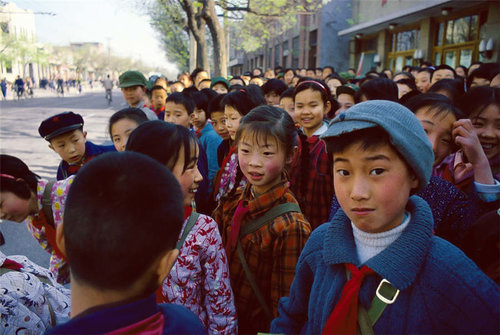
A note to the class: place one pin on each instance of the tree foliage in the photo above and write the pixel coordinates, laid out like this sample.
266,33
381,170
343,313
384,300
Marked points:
256,21
169,20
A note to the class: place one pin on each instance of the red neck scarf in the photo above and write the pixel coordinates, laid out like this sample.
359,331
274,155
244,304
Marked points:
239,213
344,317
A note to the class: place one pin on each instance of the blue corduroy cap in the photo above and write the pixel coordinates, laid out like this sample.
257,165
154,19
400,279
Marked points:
405,131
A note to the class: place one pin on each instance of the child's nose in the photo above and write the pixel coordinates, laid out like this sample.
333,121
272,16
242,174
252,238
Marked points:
359,189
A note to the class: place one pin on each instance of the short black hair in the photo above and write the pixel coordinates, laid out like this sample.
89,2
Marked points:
196,72
119,220
162,141
477,99
453,87
346,90
134,114
215,106
288,93
182,98
157,87
408,82
244,99
200,101
378,89
274,85
439,104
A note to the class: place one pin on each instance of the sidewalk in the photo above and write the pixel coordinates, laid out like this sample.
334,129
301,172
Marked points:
48,93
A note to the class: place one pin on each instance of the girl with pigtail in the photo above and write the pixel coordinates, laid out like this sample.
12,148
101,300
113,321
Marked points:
262,226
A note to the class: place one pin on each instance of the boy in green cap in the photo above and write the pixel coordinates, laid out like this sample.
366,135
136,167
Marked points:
133,85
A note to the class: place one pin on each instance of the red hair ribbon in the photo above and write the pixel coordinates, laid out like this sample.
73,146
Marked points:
313,82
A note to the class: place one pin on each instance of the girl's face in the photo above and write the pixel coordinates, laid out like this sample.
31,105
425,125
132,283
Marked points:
15,208
487,127
310,110
233,118
288,77
120,132
261,160
191,177
438,128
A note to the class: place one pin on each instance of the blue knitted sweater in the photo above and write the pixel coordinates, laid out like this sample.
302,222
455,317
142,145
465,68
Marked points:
442,291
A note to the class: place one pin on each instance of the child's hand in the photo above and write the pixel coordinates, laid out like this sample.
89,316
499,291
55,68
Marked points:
466,138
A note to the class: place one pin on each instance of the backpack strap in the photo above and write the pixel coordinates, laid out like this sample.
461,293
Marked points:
251,227
47,203
385,294
268,216
189,226
43,279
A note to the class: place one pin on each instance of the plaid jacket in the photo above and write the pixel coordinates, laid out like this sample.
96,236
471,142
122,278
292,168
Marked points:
271,253
315,201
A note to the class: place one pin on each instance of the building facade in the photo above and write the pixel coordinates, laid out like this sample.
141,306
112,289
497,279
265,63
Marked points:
312,42
394,33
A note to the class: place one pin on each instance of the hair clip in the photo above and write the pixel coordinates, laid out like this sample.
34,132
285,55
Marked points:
7,176
314,82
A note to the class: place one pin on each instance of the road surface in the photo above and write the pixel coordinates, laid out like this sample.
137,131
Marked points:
19,121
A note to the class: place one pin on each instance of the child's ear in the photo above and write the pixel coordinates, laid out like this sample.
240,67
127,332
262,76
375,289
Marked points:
166,263
292,155
414,181
51,146
84,134
60,238
328,107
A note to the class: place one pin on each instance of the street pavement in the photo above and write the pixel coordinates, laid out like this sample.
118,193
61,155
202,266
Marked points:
19,121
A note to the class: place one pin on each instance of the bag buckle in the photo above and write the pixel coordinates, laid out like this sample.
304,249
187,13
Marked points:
381,297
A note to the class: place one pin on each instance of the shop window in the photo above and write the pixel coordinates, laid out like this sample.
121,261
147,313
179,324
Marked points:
457,40
403,45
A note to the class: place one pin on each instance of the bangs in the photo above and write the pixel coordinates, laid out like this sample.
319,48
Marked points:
259,133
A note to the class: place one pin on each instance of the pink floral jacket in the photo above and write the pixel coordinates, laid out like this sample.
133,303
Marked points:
58,267
199,279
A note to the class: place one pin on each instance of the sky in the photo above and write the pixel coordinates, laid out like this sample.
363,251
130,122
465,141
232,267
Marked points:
120,24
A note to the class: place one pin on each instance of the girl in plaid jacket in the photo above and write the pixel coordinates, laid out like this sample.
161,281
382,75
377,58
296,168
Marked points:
266,142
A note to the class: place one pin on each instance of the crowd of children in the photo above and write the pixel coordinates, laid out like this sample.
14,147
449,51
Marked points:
285,201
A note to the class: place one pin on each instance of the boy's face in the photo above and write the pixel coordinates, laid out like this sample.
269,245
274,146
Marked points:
372,186
272,98
423,81
345,101
176,113
70,146
199,118
133,94
158,98
204,84
219,124
288,105
220,88
438,129
442,74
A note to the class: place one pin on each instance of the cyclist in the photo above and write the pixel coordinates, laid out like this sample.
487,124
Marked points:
108,85
19,84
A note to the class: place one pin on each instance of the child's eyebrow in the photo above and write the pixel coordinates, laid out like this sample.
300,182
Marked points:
377,157
427,121
340,159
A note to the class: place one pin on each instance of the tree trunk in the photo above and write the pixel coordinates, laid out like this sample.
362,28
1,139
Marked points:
218,38
196,25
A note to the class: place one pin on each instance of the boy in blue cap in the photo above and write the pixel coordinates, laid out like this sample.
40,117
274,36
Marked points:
377,265
66,137
120,252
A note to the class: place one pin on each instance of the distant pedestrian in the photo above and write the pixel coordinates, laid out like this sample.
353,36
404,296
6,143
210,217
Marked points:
3,86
